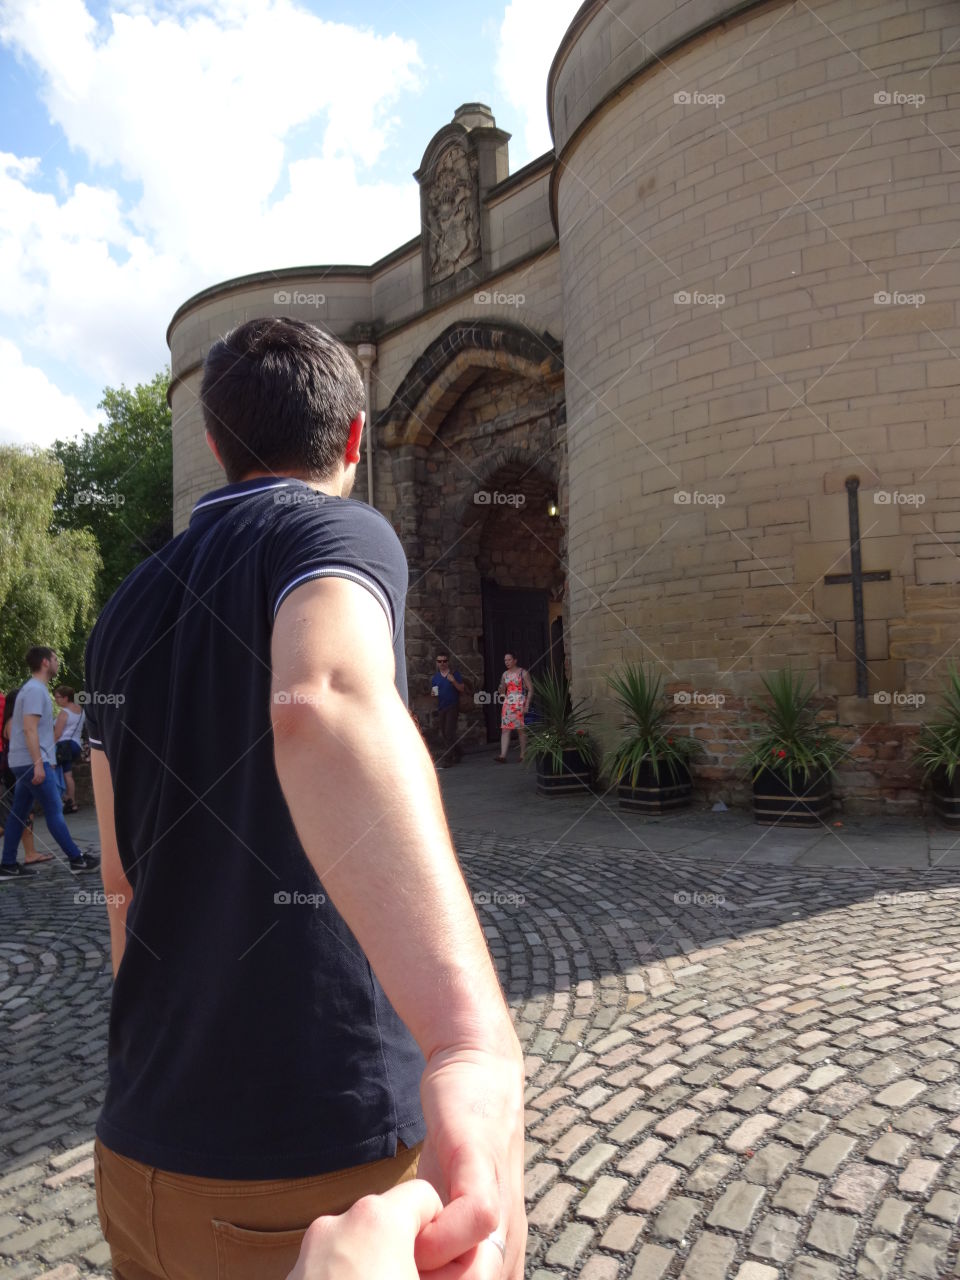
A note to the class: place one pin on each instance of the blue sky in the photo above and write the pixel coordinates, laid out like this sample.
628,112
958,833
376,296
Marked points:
153,147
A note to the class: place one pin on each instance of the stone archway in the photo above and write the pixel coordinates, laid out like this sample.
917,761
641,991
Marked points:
477,430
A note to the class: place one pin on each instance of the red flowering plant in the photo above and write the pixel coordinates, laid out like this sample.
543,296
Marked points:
793,743
648,737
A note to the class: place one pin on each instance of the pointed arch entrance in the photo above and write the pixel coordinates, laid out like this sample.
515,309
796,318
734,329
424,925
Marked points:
477,430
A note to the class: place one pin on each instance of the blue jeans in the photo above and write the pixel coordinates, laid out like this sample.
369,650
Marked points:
25,794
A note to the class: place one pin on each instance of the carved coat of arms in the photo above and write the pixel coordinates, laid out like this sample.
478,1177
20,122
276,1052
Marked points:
453,213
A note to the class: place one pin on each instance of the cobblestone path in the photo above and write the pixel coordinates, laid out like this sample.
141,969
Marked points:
743,1072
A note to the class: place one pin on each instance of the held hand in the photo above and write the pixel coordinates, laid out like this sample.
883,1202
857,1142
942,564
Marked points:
372,1241
473,1155
39,774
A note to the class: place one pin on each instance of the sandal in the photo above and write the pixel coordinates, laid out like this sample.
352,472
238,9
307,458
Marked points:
38,857
500,759
75,809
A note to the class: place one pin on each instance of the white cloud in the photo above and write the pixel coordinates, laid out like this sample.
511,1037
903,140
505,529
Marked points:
530,35
209,111
199,110
32,409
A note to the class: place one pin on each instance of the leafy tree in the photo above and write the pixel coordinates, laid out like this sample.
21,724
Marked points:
118,480
47,579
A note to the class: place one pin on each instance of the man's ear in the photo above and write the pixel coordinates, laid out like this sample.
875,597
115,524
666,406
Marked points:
212,445
352,452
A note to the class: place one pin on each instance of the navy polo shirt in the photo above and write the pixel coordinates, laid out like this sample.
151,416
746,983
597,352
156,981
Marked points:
447,695
248,1036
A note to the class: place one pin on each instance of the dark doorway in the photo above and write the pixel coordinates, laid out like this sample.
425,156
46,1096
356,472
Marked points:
515,620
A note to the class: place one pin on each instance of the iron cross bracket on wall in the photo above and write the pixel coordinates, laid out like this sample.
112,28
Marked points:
857,578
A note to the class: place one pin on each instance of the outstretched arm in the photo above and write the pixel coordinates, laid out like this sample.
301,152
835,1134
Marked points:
363,795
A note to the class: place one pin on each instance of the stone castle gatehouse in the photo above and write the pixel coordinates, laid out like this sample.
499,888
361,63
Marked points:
638,399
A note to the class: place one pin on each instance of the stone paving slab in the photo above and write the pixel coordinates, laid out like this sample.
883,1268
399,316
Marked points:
745,1071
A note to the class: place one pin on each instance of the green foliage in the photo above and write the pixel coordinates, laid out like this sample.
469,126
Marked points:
649,738
118,480
938,744
562,725
47,580
792,744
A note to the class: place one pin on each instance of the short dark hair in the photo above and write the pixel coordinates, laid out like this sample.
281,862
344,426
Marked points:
64,691
279,395
36,656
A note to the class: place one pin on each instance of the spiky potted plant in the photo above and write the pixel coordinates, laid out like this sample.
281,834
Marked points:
792,761
937,752
651,763
558,741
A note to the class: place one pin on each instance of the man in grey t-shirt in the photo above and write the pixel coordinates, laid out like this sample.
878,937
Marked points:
32,760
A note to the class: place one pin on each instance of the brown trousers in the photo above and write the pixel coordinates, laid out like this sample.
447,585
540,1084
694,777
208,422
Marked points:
173,1227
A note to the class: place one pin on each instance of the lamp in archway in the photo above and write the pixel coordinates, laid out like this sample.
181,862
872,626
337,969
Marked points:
553,509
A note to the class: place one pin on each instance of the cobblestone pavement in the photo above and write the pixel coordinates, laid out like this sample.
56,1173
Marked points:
746,1072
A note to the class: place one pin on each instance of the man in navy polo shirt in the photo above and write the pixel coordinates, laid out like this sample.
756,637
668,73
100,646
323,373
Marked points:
302,991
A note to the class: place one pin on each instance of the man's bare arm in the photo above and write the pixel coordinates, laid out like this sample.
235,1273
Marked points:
364,798
31,731
116,887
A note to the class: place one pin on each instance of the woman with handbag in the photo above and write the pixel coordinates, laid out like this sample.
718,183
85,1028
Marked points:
66,734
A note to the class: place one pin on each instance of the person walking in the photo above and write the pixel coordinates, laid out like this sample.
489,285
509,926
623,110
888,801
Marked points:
284,892
67,729
447,686
516,691
7,783
33,764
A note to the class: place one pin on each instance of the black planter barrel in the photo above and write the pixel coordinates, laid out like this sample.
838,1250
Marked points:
673,791
808,803
573,779
946,798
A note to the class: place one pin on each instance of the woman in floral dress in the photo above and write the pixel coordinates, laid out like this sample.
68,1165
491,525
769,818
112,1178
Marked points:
516,690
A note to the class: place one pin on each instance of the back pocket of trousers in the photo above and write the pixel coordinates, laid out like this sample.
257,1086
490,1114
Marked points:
243,1254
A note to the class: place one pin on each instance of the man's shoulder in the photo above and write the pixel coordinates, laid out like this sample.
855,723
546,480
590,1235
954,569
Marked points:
34,691
347,512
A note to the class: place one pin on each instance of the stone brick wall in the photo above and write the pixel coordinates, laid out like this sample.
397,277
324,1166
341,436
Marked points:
729,366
